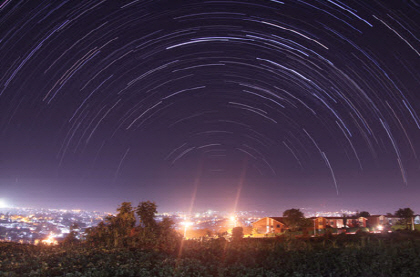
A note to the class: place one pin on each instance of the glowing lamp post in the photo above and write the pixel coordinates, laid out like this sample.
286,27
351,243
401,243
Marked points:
233,220
186,225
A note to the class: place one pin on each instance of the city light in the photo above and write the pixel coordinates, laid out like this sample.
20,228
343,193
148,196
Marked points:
50,240
186,224
233,220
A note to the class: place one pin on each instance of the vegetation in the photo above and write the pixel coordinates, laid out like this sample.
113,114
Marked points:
362,214
121,230
406,216
362,254
124,245
71,239
237,233
295,219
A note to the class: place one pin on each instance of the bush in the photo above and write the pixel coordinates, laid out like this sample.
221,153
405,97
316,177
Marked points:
394,254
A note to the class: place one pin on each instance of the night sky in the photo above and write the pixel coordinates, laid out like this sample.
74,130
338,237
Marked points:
210,104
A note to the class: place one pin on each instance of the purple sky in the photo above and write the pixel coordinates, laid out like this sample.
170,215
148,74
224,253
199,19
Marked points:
275,103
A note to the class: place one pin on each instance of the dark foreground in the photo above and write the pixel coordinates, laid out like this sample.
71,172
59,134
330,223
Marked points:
396,254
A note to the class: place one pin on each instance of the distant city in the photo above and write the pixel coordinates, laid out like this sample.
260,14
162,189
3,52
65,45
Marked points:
32,225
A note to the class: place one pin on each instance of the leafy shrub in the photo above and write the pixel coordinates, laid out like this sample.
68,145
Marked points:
379,255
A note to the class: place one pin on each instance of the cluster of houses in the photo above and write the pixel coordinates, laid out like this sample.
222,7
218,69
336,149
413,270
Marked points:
277,225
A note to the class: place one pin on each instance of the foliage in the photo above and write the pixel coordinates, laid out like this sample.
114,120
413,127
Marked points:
403,227
363,214
295,219
119,226
71,239
117,247
237,233
406,216
147,211
364,255
120,230
345,219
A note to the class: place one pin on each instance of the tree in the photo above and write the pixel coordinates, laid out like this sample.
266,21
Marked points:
295,219
114,232
122,223
237,233
344,220
363,214
126,217
168,240
147,211
405,216
121,230
152,234
71,238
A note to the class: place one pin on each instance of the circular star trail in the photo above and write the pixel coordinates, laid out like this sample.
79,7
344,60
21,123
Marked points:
150,98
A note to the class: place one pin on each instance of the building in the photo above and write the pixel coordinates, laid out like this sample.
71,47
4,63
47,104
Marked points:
324,222
377,220
270,225
416,219
393,220
277,225
353,222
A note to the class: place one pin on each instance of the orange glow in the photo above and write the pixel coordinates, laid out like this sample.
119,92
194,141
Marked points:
50,240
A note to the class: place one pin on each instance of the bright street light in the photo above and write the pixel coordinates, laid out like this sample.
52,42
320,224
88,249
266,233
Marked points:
186,225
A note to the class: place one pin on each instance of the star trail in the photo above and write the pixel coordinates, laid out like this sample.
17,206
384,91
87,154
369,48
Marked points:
265,103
